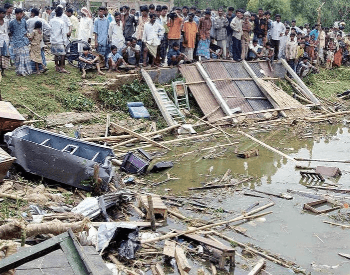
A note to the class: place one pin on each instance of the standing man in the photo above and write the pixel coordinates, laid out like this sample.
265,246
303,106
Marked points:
45,29
260,28
277,31
75,23
115,33
291,51
190,30
140,28
175,23
4,39
152,35
204,27
129,23
8,18
101,26
236,26
58,37
220,25
46,14
164,43
294,25
20,43
229,31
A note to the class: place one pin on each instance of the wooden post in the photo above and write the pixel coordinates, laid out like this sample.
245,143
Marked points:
306,91
213,89
151,212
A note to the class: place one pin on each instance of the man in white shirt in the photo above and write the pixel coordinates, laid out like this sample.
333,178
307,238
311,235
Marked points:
46,14
45,29
152,35
58,37
236,26
291,51
115,33
277,31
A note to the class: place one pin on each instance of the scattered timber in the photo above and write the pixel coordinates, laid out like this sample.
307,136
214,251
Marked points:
139,136
344,255
181,260
337,224
241,217
329,189
219,186
263,254
281,196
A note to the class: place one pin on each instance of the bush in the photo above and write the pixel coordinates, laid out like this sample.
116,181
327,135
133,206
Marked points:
78,102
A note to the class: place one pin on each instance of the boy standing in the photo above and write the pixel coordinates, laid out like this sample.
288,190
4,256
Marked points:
190,31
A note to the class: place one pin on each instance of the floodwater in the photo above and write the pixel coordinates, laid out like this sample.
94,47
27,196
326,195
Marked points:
290,232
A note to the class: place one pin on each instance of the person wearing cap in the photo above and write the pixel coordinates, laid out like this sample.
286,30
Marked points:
18,34
220,25
34,17
246,28
101,27
236,26
277,31
85,30
75,23
204,27
4,43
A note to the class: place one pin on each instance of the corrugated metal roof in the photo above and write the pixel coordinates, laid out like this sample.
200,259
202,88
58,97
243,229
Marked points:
201,92
257,69
236,70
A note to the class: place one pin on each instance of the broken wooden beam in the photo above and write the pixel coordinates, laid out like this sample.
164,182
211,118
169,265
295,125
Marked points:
258,267
219,186
139,136
181,260
337,224
169,249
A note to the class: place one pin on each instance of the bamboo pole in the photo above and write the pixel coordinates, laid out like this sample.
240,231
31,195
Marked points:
241,217
337,224
147,135
322,160
328,115
267,146
139,136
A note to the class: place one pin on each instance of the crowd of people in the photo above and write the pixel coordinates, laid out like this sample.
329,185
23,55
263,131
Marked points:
157,36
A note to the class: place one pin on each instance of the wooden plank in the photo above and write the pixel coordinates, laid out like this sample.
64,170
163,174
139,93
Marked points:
151,212
344,255
159,269
209,242
169,249
258,267
181,260
139,136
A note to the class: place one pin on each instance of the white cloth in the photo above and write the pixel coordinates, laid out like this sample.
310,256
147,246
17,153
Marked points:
58,34
4,34
256,48
153,34
45,28
276,29
115,35
85,29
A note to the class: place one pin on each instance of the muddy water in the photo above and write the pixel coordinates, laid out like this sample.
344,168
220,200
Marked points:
290,232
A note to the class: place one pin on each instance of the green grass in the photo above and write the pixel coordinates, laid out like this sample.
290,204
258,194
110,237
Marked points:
328,83
48,93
